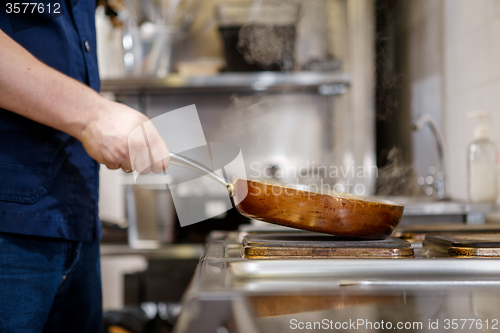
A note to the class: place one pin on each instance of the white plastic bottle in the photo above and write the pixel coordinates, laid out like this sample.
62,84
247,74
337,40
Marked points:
482,163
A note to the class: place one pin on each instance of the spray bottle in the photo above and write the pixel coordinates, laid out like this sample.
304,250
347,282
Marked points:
482,163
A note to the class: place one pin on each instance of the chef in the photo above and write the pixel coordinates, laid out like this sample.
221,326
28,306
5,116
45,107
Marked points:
55,130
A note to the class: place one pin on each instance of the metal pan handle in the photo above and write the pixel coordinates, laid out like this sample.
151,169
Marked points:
188,163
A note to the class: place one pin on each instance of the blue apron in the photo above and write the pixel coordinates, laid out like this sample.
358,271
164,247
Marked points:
48,183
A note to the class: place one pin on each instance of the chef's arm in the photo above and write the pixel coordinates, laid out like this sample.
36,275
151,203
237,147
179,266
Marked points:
38,92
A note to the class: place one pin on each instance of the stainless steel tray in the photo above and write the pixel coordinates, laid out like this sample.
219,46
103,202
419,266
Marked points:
373,269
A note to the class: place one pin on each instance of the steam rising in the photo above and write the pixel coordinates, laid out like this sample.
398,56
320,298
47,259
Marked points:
247,114
397,178
282,130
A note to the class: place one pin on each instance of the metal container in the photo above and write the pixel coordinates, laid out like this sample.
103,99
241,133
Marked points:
258,36
151,217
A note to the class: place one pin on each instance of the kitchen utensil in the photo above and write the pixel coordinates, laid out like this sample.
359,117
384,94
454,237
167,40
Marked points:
151,217
346,215
159,60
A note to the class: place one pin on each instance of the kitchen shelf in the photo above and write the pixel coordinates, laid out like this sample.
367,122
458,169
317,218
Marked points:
325,83
169,251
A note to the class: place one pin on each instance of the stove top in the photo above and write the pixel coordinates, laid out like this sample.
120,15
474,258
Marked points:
462,245
262,293
314,245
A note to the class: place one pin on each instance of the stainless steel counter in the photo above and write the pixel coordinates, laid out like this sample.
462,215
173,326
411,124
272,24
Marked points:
232,294
445,207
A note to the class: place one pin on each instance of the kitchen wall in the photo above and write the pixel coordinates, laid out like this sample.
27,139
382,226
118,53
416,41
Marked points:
472,79
452,67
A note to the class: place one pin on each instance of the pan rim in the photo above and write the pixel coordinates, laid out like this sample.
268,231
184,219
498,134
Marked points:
347,196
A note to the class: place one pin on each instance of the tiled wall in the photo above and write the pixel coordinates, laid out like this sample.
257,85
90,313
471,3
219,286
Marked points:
453,68
471,58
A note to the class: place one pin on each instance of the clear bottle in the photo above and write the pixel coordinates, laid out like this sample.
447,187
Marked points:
482,163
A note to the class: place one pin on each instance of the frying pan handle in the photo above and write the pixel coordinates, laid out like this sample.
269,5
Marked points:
188,163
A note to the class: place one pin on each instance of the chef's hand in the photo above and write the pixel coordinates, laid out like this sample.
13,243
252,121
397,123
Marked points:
121,137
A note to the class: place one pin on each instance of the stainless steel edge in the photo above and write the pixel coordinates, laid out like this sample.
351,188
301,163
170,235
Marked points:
355,268
228,81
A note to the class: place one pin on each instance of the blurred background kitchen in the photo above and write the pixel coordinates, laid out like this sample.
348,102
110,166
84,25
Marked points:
383,85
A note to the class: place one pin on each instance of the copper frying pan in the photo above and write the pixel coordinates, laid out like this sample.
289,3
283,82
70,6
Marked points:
346,215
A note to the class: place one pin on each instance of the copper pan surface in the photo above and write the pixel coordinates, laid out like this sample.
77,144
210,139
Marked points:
345,215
